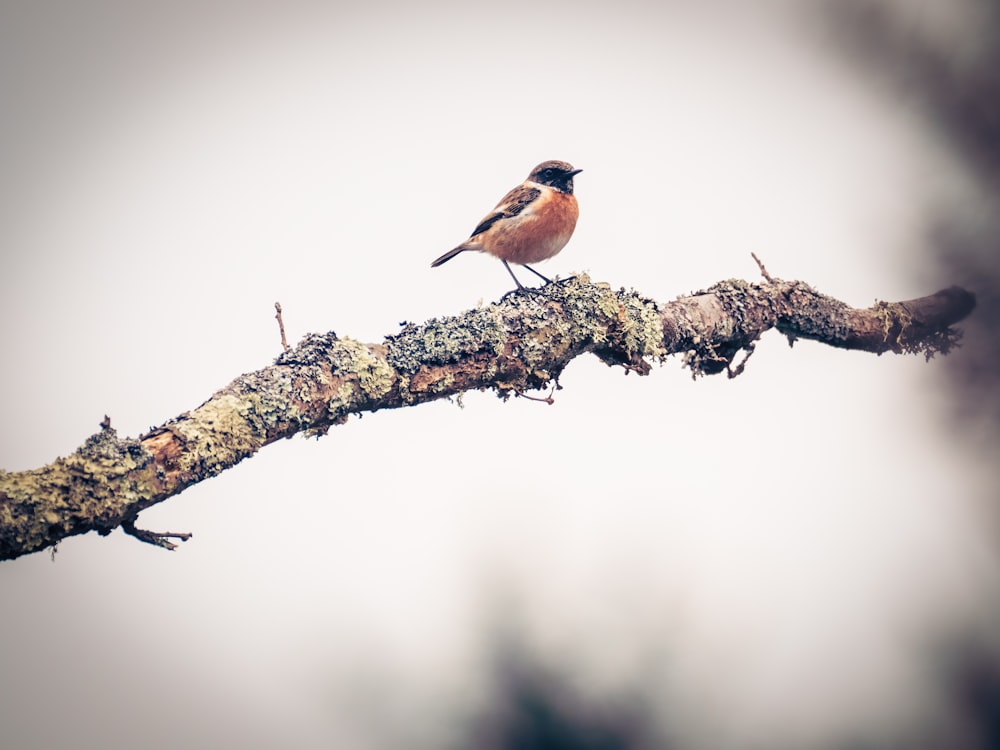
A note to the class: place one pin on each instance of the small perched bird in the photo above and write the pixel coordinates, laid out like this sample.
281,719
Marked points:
533,222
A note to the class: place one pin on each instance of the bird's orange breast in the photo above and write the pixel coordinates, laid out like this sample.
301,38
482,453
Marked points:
537,233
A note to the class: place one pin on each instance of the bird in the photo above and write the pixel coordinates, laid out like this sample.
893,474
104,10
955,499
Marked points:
532,223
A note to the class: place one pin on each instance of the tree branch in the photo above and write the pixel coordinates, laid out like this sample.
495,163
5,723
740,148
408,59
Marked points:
521,343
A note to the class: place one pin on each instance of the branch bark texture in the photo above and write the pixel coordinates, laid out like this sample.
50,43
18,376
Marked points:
521,343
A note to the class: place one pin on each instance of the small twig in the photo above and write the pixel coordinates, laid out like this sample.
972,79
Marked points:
547,400
763,271
629,367
734,372
281,325
156,538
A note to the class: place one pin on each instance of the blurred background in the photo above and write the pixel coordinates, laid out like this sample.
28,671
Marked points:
803,557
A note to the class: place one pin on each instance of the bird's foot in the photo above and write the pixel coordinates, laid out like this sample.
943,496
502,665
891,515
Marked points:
522,290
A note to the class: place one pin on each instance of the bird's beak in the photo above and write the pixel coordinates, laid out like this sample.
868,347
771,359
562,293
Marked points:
575,172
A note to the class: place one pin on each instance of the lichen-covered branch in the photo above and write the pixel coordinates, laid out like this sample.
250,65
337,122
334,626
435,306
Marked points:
518,344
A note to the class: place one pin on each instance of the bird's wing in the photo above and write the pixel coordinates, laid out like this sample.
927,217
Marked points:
510,205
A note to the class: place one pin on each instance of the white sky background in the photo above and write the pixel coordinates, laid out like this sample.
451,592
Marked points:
778,556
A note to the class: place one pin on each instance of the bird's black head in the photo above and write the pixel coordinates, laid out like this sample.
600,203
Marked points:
556,174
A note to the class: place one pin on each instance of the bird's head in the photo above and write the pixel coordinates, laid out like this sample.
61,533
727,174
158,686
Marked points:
556,174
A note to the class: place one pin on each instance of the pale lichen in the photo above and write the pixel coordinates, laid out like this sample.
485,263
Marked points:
85,490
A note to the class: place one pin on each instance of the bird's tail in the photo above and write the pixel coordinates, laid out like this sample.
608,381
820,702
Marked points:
450,254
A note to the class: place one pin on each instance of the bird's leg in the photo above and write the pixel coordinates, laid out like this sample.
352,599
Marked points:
543,278
547,280
520,286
